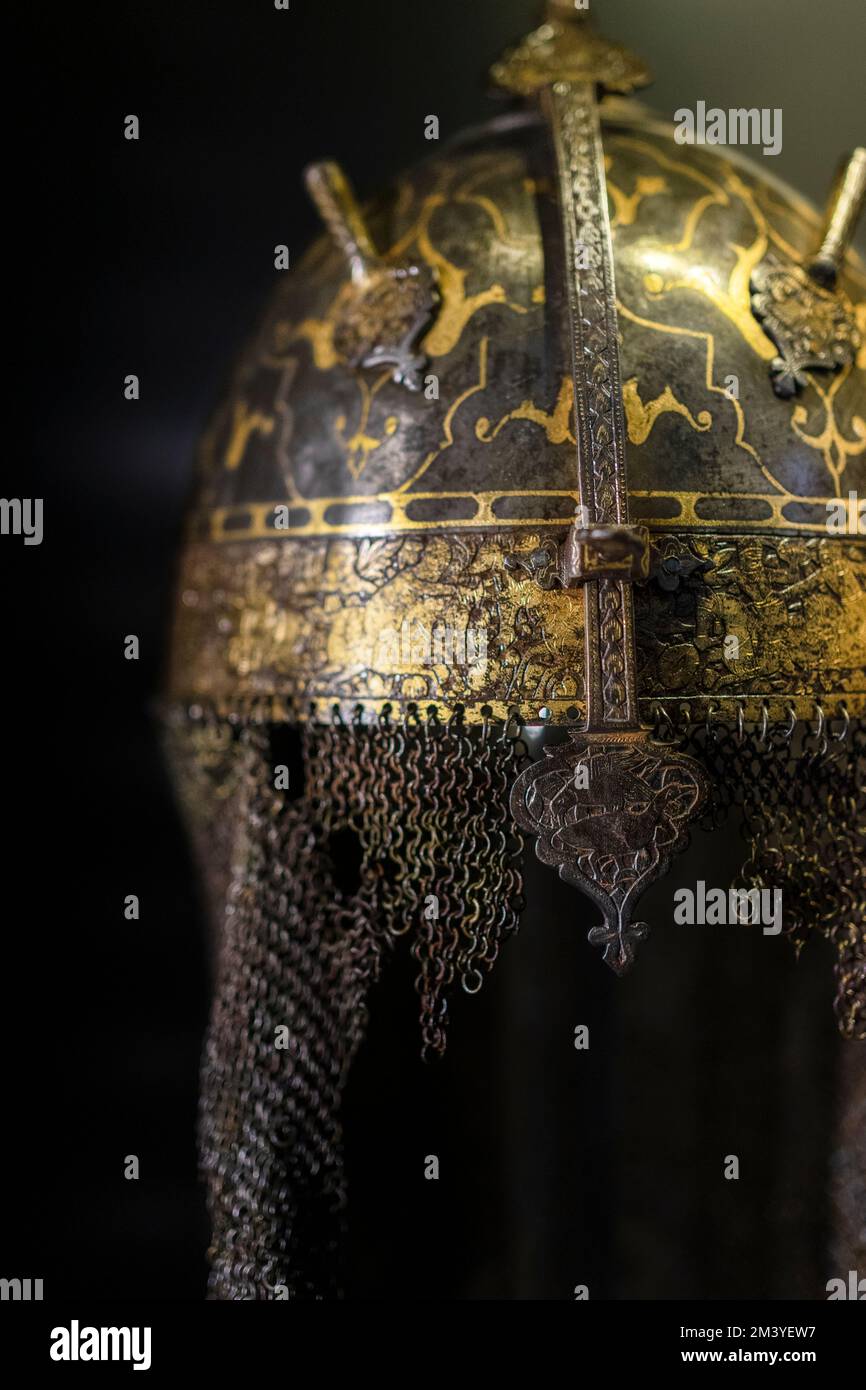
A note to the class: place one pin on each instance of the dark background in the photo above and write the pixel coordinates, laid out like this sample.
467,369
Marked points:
154,257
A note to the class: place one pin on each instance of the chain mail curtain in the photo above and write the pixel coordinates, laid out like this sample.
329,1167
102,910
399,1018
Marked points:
400,828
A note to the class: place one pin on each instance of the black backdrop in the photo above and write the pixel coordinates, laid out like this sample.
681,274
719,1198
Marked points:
153,257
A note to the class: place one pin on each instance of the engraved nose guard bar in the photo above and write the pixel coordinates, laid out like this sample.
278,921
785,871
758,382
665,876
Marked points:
609,809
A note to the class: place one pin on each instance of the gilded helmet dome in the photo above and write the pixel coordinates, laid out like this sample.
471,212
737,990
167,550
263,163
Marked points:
333,502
